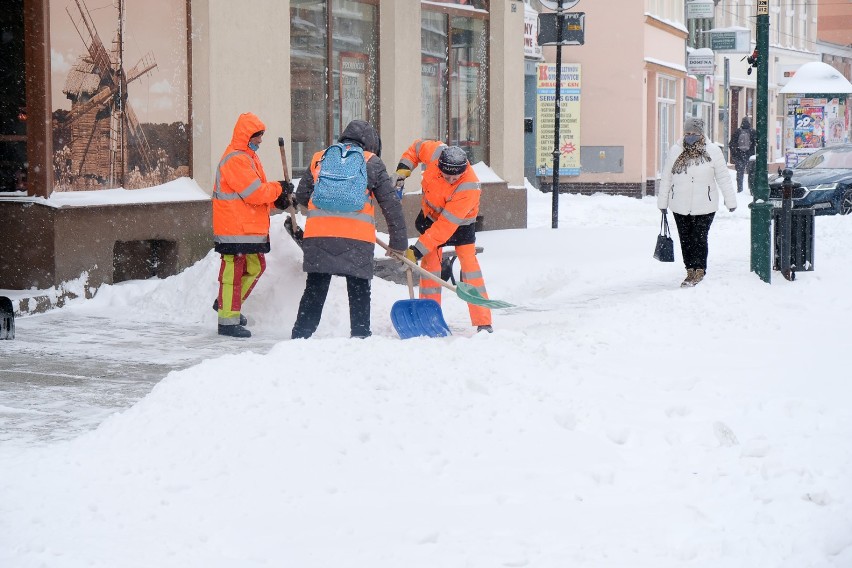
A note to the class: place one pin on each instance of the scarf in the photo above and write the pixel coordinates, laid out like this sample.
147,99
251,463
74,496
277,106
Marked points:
692,155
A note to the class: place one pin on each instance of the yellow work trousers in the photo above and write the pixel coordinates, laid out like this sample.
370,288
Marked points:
238,275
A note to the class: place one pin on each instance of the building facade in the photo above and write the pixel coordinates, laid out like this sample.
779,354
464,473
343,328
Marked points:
139,94
638,82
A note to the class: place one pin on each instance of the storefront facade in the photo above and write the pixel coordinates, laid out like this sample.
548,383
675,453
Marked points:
133,96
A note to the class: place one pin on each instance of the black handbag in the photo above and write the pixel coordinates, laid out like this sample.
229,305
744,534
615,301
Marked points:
664,251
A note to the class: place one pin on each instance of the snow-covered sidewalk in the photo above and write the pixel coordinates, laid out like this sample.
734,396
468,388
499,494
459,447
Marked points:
613,420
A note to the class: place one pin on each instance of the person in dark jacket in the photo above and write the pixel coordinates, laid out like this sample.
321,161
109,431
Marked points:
742,145
343,244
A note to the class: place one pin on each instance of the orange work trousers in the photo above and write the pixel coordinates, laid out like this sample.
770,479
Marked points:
470,274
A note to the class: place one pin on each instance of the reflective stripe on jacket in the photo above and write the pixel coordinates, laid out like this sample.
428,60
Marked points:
242,197
358,225
449,207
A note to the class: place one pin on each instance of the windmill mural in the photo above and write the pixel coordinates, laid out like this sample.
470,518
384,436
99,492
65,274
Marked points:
101,123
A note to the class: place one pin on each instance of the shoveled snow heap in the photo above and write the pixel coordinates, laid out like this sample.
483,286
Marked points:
613,420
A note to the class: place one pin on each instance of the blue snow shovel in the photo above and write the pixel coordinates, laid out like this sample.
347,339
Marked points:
418,318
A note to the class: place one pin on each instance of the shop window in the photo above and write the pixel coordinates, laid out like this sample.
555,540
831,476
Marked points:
332,83
478,4
13,105
666,117
454,50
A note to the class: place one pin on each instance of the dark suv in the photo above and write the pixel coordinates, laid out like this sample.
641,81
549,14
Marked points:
822,182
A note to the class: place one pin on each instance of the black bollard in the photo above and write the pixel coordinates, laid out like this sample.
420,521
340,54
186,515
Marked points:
7,318
785,225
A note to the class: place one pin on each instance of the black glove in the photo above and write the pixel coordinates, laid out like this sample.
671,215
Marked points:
285,200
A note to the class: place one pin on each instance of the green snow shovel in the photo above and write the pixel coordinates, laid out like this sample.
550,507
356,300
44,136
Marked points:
463,290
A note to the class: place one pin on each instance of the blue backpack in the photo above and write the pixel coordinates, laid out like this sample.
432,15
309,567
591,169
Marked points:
342,182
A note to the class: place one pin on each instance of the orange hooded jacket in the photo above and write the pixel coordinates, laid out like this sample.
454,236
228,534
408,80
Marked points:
242,198
449,209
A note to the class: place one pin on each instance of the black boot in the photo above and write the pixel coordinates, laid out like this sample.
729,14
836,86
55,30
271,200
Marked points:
243,320
234,331
487,328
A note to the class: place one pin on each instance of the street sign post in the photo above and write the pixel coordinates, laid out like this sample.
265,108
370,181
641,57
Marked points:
573,29
560,6
555,4
761,208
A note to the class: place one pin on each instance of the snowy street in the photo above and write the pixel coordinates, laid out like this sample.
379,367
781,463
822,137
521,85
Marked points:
612,419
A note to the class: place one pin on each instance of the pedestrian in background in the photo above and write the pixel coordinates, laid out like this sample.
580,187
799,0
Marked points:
448,211
742,146
242,202
692,176
343,243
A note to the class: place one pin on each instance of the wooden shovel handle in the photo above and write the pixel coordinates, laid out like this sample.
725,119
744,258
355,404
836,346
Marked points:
283,152
416,267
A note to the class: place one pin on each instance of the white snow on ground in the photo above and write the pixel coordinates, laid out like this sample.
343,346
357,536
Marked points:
612,420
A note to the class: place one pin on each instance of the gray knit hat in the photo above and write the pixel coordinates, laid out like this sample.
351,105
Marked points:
694,125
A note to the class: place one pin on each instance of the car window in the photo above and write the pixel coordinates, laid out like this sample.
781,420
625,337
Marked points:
835,158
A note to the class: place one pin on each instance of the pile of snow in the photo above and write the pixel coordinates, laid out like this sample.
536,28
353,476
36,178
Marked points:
613,419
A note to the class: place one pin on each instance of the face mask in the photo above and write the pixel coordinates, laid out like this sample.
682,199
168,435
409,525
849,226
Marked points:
691,138
254,146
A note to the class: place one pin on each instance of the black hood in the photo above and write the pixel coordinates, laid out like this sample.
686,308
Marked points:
362,133
745,124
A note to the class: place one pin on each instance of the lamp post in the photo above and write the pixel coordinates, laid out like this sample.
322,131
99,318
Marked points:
554,212
761,209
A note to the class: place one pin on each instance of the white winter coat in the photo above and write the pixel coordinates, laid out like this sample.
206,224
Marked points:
696,192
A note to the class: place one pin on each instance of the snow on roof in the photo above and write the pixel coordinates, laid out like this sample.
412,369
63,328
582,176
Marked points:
669,64
181,189
485,173
817,77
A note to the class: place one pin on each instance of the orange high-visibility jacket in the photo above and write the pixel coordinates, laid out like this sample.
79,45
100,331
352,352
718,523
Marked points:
447,206
242,198
358,225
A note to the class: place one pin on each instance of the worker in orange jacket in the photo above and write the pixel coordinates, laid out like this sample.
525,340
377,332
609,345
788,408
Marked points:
242,202
449,207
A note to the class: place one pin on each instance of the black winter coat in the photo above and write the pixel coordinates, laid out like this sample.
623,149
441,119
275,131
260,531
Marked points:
349,257
733,144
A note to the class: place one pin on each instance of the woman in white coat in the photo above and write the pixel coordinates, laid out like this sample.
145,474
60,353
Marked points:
691,179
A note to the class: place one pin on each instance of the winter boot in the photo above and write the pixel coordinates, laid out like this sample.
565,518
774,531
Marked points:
243,320
699,276
487,328
234,331
689,280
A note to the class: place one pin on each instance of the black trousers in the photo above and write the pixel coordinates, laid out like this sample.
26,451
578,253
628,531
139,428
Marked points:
313,300
741,163
693,231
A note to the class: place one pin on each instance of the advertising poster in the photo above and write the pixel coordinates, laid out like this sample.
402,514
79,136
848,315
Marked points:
353,88
808,127
569,119
119,75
